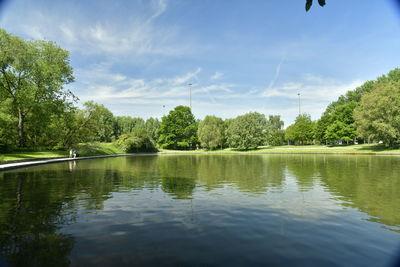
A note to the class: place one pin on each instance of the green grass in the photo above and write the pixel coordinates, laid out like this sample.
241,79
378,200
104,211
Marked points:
85,149
32,155
309,149
96,149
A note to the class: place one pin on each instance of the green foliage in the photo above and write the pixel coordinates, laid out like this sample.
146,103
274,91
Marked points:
138,141
378,115
127,125
247,131
337,122
275,135
302,131
310,2
211,132
178,129
100,122
8,133
152,125
32,76
341,124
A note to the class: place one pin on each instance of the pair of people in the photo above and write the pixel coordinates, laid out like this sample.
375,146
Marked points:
72,153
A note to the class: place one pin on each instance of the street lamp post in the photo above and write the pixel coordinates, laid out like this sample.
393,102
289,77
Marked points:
190,97
299,104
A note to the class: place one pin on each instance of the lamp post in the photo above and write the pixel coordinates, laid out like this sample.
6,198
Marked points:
190,97
299,104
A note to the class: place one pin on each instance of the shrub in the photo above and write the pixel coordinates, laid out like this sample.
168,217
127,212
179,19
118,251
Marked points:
138,141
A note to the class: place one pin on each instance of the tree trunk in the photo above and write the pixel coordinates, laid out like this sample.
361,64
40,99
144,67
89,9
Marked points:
21,132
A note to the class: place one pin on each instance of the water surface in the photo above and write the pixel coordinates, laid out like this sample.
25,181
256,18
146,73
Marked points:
203,210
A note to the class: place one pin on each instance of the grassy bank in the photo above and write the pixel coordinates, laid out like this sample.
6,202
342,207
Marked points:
310,149
86,149
96,149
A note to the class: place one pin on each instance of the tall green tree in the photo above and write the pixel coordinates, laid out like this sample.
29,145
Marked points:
341,127
178,129
99,123
211,132
32,75
127,125
152,126
247,131
378,115
275,134
302,131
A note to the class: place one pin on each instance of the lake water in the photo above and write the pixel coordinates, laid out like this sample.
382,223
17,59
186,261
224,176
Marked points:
203,210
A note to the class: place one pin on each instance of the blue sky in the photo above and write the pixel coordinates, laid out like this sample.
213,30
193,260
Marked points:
136,57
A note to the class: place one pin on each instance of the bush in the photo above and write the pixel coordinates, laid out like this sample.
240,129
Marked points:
135,142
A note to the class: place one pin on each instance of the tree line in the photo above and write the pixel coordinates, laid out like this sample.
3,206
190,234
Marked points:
37,111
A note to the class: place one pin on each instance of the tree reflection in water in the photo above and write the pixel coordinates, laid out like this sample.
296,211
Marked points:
37,203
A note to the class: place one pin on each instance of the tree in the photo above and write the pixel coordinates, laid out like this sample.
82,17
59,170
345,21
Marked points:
275,134
337,122
321,127
127,125
32,75
302,131
152,125
100,122
178,129
341,125
247,131
211,132
378,115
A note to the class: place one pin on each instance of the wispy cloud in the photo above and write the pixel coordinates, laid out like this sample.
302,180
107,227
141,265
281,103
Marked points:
217,75
103,85
312,87
277,73
138,35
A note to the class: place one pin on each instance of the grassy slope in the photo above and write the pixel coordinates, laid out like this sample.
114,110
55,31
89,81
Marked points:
86,149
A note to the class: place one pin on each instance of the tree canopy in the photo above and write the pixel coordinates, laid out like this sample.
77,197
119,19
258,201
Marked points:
378,115
247,131
32,78
178,129
211,132
302,131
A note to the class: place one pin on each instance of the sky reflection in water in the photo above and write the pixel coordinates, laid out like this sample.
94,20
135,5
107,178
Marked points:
230,210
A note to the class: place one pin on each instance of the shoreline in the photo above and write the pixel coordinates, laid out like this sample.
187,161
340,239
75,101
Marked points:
17,164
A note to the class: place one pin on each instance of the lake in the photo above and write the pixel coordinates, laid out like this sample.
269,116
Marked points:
203,210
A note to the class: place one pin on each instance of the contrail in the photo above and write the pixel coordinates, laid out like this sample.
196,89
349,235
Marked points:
277,72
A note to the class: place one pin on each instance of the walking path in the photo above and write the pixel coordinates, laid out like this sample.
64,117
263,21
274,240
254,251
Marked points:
15,165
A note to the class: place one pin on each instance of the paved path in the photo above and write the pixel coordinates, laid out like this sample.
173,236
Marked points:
15,165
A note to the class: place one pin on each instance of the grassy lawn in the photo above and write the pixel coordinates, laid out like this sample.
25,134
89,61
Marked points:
310,149
96,149
86,149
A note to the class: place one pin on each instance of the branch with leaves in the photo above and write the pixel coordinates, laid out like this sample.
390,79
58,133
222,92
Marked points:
310,2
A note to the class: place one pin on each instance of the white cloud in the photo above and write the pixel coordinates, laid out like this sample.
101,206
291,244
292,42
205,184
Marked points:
217,75
100,84
140,34
185,79
312,88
